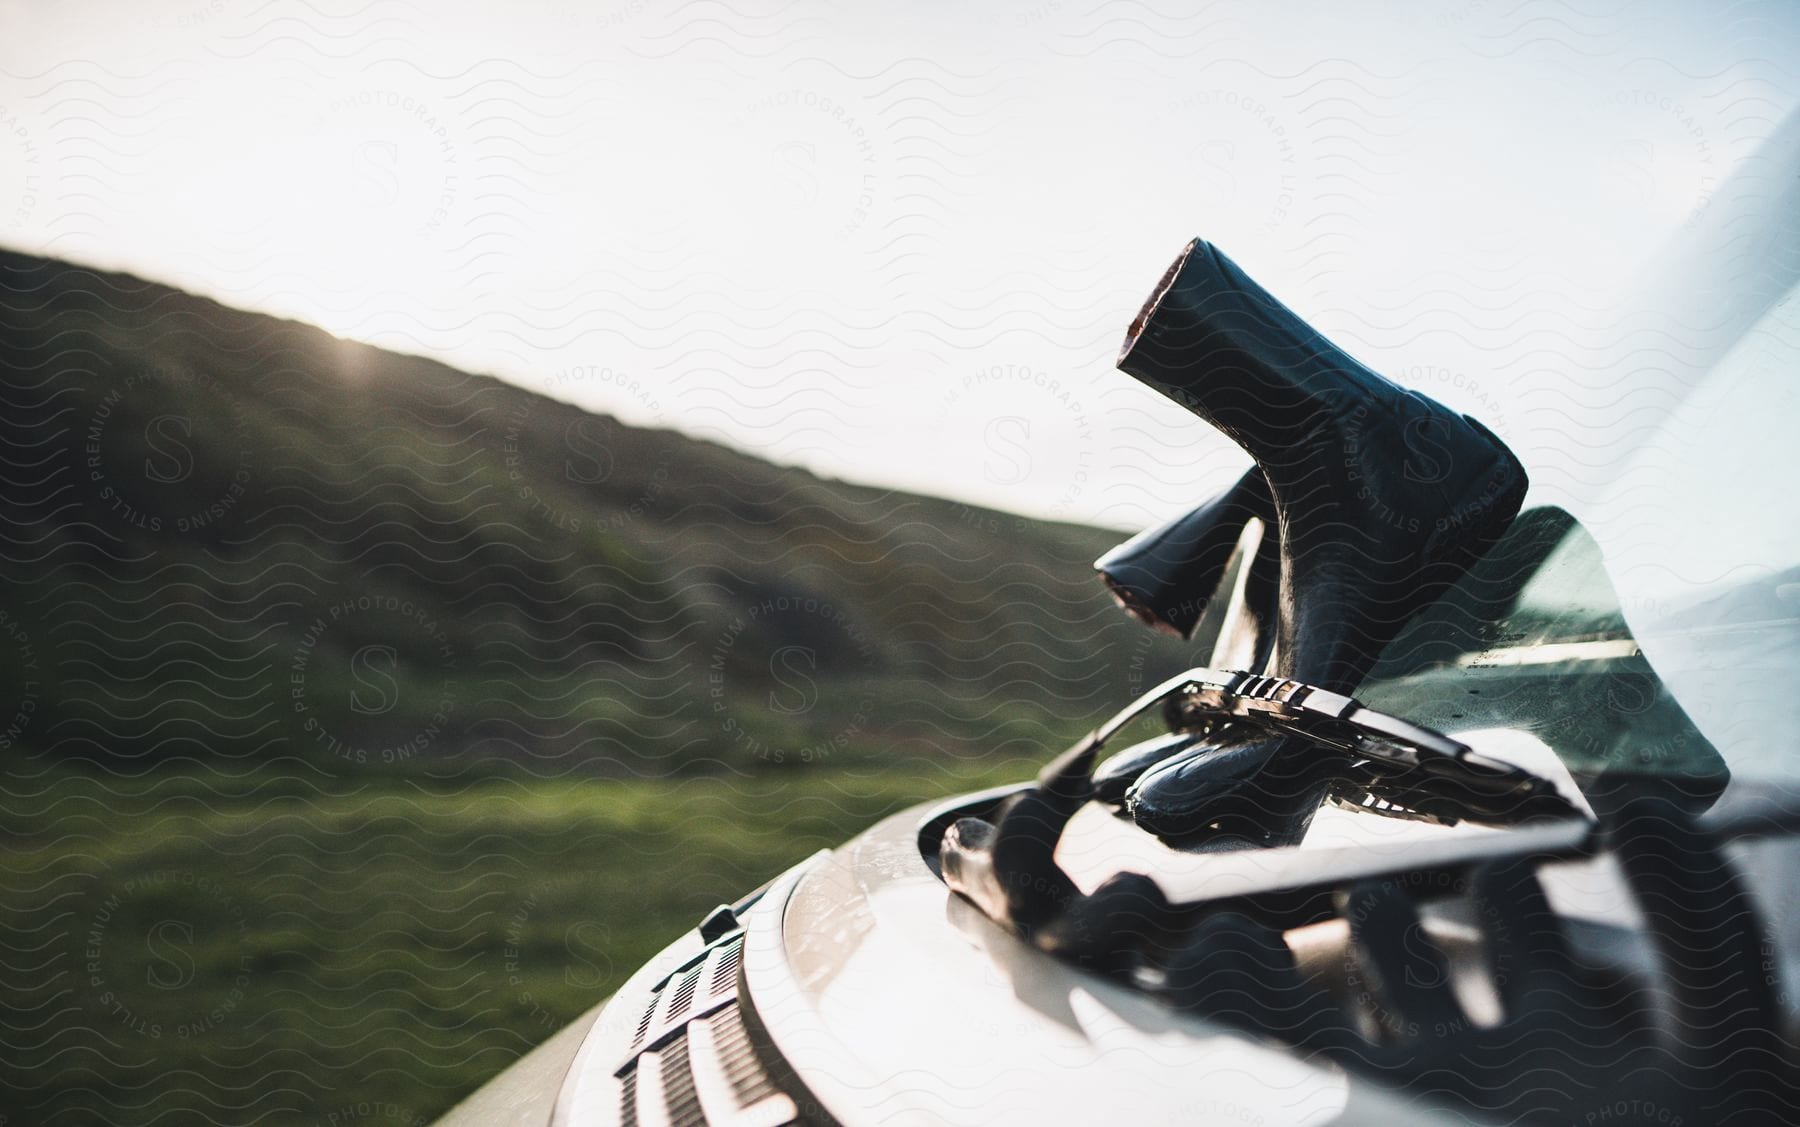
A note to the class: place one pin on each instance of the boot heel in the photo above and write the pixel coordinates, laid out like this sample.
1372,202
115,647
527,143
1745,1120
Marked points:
1164,577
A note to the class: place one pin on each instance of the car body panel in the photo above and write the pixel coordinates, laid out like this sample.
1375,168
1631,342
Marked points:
895,1001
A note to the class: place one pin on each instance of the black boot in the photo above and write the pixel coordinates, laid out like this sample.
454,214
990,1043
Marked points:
1383,497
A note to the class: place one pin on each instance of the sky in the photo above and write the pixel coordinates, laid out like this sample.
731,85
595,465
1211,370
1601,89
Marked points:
896,244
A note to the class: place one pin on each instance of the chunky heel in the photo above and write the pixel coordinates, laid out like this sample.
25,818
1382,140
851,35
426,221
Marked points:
1164,577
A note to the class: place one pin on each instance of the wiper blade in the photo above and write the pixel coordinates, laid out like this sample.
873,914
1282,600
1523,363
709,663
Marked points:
1402,761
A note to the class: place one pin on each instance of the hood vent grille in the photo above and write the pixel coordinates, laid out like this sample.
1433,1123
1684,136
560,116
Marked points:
725,970
693,1063
683,1001
679,997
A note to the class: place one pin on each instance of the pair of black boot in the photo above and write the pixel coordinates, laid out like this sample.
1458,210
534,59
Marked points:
1372,500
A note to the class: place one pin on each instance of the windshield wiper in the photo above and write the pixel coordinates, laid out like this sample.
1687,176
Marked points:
1008,867
1419,769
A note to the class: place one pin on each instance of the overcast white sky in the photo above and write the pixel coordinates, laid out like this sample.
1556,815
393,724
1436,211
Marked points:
897,246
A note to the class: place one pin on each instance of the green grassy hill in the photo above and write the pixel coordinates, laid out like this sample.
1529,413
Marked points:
234,537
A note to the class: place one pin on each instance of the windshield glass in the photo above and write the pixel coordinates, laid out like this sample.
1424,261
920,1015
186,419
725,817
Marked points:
1662,632
1534,638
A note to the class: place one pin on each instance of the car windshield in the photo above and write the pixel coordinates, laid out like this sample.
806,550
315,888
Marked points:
1653,625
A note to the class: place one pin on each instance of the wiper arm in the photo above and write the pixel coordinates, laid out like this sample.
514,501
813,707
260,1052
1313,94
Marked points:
1443,777
1009,868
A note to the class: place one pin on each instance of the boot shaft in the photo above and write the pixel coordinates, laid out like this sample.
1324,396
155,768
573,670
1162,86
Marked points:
1214,341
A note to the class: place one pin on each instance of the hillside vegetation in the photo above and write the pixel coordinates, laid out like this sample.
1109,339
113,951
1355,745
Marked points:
233,537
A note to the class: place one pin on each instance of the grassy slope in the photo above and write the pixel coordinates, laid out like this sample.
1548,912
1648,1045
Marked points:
199,494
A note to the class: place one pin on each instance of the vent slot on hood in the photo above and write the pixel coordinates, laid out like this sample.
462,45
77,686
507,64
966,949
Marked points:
693,1062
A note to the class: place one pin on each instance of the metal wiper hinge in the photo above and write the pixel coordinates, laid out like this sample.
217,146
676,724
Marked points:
1400,758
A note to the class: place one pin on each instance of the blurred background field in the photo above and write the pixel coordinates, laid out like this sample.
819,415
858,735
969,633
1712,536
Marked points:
261,947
